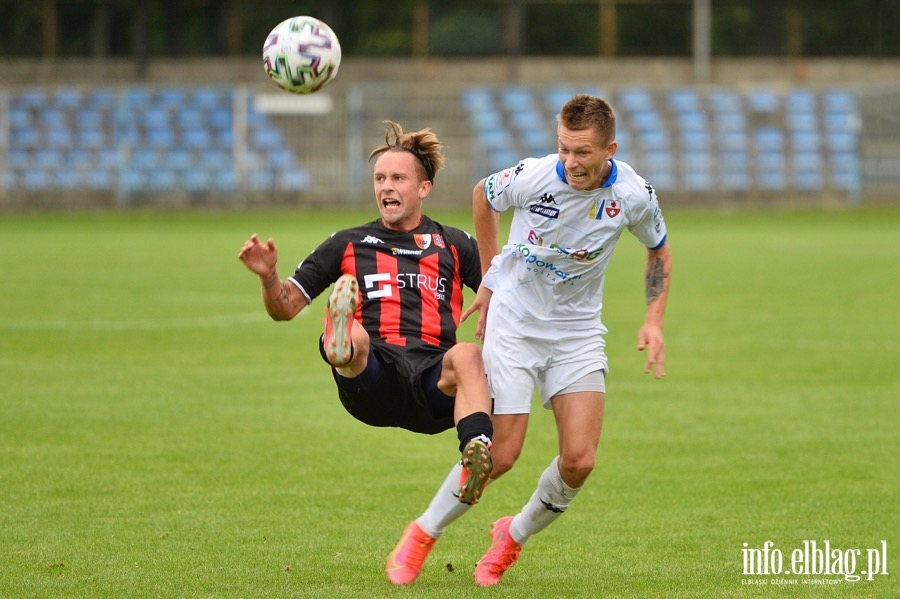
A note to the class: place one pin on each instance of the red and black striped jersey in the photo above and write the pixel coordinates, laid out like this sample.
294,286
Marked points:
411,283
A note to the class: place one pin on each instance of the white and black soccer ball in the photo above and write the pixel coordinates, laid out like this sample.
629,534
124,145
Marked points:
302,55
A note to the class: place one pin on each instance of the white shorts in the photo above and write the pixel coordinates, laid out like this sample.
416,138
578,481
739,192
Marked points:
521,355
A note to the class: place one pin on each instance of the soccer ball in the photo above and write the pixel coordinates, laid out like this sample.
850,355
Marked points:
302,55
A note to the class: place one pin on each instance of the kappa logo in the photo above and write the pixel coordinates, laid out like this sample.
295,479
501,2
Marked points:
370,239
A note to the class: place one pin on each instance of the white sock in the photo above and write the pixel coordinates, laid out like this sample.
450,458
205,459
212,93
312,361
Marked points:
547,503
445,507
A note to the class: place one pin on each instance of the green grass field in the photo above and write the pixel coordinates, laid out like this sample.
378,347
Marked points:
161,437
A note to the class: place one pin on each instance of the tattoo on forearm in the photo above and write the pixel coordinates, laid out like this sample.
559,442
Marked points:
656,280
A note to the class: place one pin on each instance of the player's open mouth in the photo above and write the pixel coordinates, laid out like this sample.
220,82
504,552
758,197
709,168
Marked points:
390,202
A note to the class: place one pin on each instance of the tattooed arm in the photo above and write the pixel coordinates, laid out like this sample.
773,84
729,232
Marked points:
282,300
659,270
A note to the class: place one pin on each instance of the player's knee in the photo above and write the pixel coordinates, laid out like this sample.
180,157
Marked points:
503,461
467,357
575,470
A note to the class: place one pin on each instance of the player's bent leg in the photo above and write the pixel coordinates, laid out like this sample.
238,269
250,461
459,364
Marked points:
507,442
342,303
476,469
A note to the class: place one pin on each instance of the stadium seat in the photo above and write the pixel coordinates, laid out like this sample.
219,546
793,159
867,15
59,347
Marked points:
732,140
691,121
730,121
517,98
768,139
697,173
726,101
807,169
771,172
684,101
807,141
734,170
695,141
636,99
764,101
802,121
839,100
654,140
659,169
800,100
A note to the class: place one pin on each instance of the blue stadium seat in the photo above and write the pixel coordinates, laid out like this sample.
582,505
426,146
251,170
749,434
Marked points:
730,121
839,100
771,172
99,179
841,141
645,120
732,140
691,121
764,101
684,100
66,178
802,121
636,99
36,178
807,171
295,179
808,141
659,170
800,100
517,98
734,170
726,101
697,173
695,141
654,140
768,139
557,96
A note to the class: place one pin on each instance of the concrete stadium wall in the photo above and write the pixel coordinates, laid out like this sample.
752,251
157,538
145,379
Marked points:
642,71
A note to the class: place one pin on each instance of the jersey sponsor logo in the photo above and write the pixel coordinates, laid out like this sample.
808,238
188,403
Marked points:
544,268
378,285
404,252
547,211
497,183
580,255
370,239
423,240
382,285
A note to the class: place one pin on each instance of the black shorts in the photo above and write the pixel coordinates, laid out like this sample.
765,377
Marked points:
394,392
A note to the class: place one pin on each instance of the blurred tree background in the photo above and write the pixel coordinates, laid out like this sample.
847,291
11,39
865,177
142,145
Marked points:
177,28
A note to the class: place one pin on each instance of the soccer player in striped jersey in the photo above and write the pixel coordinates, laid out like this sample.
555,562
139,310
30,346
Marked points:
390,327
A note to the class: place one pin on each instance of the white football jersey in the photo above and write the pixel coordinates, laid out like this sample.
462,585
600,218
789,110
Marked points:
561,239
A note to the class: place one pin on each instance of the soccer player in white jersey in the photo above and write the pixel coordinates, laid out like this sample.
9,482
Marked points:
544,294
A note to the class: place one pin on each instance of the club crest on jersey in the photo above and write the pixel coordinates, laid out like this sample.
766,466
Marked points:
438,240
610,209
423,240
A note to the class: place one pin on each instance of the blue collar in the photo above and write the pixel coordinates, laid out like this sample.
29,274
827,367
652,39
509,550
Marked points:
613,173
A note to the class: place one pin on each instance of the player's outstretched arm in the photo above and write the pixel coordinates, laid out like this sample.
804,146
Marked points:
650,337
282,300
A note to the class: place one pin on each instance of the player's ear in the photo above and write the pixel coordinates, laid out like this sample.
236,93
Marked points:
425,189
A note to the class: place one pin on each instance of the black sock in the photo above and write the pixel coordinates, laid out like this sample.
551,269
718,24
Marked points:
472,426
